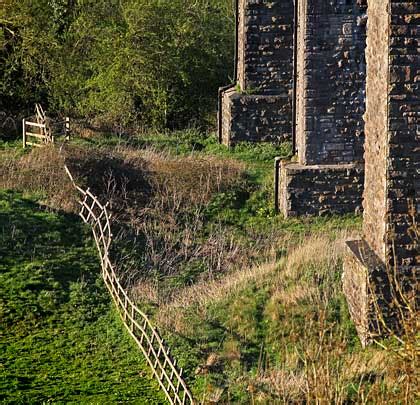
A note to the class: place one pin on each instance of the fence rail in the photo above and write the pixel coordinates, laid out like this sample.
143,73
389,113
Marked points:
39,130
153,347
35,130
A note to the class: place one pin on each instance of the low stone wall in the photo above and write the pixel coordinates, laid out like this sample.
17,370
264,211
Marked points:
255,118
320,190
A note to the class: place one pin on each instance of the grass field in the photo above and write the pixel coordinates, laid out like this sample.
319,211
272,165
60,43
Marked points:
61,340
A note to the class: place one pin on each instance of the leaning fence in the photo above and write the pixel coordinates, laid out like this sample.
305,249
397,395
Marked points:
39,130
153,347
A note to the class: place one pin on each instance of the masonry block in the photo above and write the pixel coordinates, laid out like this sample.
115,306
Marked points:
320,189
374,292
255,118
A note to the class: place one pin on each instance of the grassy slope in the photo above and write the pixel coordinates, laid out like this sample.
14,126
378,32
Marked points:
249,332
61,340
267,333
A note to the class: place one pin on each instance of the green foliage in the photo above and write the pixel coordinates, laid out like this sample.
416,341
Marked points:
146,62
61,341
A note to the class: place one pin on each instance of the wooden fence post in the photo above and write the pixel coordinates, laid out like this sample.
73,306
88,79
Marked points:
24,132
67,129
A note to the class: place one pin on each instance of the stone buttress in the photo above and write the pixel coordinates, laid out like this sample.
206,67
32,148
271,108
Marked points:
258,107
328,174
385,264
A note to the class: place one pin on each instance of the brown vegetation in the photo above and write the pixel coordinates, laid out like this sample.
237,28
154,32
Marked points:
158,202
41,171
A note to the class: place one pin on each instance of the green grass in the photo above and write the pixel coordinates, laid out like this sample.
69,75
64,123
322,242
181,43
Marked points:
60,339
240,323
242,333
191,141
10,144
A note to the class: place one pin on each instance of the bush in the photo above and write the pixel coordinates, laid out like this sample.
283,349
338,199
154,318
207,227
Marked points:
146,62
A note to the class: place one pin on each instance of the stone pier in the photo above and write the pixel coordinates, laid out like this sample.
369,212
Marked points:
258,107
328,175
386,262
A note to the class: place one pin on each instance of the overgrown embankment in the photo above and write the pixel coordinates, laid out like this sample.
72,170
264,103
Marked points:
250,303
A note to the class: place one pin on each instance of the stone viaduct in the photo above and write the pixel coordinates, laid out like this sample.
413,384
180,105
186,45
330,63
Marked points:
309,91
347,98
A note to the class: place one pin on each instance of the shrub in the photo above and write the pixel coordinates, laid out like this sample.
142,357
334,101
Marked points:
121,63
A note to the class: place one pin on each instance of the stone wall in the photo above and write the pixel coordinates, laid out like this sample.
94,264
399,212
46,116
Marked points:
318,190
403,163
385,265
331,81
329,178
376,127
259,110
392,196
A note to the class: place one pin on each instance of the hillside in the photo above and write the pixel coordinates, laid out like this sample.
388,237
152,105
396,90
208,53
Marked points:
150,252
250,303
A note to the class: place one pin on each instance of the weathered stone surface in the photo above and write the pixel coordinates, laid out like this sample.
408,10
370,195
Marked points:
373,296
331,81
330,106
376,127
265,45
318,190
388,257
260,109
255,118
392,149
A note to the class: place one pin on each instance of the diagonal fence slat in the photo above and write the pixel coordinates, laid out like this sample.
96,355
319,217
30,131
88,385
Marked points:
138,324
39,130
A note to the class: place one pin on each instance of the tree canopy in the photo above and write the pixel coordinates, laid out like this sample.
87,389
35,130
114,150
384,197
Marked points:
157,63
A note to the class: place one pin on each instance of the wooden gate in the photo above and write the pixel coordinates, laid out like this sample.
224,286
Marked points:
39,130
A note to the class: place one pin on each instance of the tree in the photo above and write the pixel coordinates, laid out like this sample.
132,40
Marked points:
154,62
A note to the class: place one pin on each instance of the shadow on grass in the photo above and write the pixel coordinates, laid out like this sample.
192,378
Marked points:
43,255
60,341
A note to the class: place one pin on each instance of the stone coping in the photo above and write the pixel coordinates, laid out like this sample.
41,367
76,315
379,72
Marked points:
234,94
292,166
361,251
366,257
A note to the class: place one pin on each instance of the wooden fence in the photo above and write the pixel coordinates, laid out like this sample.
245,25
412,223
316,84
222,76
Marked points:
39,130
154,349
